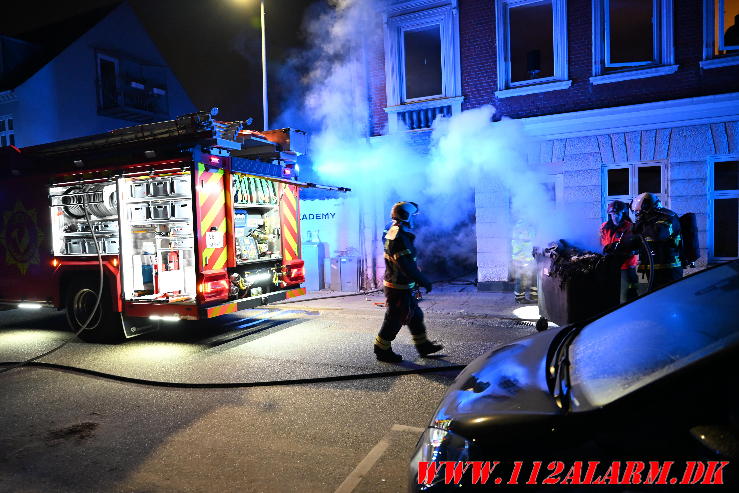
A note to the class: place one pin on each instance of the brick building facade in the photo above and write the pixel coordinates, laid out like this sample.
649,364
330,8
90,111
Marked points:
607,117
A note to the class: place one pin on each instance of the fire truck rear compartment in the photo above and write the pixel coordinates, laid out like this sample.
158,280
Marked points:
146,222
157,238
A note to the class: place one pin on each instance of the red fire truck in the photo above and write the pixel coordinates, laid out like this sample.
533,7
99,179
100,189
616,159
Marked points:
189,218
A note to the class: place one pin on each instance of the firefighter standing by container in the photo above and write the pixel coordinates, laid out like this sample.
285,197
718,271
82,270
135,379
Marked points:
401,277
522,245
614,232
660,228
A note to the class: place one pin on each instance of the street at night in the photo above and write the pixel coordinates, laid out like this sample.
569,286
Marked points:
76,432
369,245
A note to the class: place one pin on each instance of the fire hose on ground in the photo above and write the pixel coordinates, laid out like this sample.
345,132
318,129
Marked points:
95,307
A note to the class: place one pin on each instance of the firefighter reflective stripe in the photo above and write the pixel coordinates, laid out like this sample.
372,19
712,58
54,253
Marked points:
389,284
675,264
394,258
217,311
211,217
401,253
289,220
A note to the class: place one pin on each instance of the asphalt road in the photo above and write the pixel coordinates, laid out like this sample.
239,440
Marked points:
70,432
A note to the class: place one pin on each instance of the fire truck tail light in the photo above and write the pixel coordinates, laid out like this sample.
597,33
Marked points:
214,287
115,262
294,272
55,263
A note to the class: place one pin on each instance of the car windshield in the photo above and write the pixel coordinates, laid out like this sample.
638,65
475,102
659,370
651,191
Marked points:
654,336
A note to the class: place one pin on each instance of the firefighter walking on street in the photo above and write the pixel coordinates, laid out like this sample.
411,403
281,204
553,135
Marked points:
660,227
401,277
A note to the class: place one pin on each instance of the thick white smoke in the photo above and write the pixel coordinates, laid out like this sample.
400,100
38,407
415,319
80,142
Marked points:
466,151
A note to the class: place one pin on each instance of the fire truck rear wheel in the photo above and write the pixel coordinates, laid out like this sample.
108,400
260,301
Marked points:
105,325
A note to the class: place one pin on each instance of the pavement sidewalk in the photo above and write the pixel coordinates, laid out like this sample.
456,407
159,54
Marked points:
450,299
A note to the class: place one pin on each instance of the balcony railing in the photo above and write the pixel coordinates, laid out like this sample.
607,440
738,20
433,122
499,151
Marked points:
132,105
421,115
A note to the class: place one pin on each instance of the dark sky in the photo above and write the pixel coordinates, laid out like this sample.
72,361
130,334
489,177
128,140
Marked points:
213,46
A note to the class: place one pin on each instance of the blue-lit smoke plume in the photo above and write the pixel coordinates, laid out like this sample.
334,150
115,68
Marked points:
466,150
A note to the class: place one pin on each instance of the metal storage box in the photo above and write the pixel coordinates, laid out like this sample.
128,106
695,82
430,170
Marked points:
138,190
160,211
74,246
181,186
345,274
138,213
182,210
107,227
111,245
90,246
160,188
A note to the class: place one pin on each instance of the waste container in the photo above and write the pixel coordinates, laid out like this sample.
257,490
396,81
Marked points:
575,284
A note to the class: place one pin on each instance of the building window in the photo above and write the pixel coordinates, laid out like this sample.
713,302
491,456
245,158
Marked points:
107,81
531,45
632,39
7,132
625,181
422,63
720,33
422,70
723,212
131,90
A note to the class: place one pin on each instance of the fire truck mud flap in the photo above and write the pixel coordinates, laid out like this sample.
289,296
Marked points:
135,326
253,302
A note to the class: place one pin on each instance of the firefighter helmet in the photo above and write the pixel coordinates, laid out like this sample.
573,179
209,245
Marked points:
404,211
616,206
645,202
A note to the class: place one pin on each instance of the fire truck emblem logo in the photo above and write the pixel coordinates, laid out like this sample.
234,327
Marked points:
21,237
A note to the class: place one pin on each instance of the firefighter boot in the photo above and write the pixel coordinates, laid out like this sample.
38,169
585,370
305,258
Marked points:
424,346
384,352
533,294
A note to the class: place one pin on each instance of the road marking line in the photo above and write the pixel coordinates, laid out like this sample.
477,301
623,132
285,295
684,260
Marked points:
355,477
410,429
359,472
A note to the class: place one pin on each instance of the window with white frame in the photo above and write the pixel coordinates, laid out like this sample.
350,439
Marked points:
422,66
625,181
531,45
7,131
720,33
723,208
422,63
632,39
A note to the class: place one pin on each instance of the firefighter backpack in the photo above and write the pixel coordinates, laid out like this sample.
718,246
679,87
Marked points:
689,248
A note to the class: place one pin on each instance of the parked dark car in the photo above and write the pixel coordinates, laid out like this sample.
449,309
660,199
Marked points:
654,380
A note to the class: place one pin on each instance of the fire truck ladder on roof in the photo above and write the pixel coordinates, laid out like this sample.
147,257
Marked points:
187,128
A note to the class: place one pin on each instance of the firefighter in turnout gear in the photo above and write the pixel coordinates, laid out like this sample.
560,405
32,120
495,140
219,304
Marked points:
613,232
522,245
660,227
401,277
